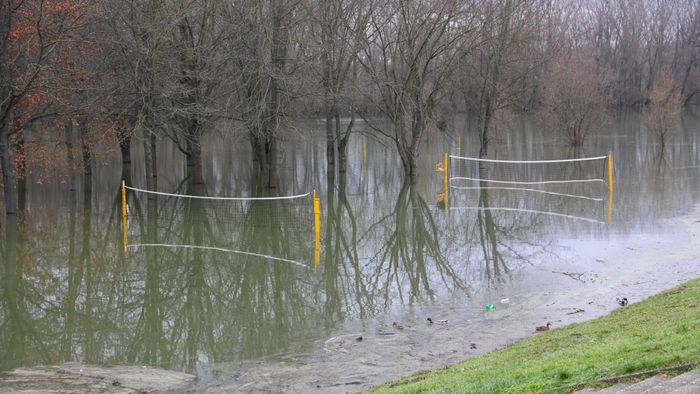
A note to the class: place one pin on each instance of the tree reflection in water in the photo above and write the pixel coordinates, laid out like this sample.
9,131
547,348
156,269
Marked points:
181,307
409,261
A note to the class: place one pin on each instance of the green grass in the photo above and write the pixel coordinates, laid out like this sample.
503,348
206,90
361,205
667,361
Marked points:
660,332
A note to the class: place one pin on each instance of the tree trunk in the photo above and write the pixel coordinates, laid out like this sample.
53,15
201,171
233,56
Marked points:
125,148
485,116
150,166
271,154
87,154
330,139
22,176
343,162
8,180
264,163
194,162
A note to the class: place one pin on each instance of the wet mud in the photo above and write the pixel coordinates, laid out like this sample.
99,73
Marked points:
577,288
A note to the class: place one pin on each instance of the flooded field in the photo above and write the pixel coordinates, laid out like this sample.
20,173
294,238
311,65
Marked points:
227,290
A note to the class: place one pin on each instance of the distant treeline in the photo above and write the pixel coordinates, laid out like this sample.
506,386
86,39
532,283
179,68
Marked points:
87,71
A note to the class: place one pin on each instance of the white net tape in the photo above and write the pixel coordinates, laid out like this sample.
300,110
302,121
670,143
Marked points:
219,198
573,187
525,172
527,161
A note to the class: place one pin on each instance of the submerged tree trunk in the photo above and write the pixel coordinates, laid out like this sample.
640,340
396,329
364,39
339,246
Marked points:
22,173
7,174
125,148
86,155
343,162
150,163
330,141
264,163
195,168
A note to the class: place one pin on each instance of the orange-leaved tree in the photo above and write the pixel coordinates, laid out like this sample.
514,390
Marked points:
45,51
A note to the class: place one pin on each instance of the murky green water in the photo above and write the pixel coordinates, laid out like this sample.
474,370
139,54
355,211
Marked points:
389,252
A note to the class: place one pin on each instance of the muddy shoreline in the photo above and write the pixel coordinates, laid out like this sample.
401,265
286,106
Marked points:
562,293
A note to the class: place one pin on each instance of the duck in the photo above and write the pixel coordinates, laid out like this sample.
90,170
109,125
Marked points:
622,301
543,328
441,321
397,326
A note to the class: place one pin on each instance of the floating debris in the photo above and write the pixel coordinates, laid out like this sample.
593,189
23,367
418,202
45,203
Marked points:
489,307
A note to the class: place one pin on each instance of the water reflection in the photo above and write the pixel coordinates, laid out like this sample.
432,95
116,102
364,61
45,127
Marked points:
410,250
69,292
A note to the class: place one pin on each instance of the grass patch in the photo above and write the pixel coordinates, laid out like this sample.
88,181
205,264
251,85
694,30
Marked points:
661,333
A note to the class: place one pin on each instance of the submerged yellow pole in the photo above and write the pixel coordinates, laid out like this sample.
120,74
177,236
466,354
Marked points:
610,185
124,212
317,232
446,184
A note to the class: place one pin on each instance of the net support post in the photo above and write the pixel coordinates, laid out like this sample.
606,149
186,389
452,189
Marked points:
317,232
124,214
443,197
610,185
446,182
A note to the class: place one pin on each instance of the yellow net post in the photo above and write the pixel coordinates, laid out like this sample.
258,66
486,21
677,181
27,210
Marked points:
124,212
443,198
446,182
610,185
317,231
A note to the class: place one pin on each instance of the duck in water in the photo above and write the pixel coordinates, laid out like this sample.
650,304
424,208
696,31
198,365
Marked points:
543,328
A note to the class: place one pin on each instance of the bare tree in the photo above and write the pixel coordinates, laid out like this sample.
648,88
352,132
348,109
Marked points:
142,32
409,53
341,24
264,46
663,112
497,65
576,97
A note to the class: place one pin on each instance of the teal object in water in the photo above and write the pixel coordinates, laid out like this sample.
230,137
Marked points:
489,307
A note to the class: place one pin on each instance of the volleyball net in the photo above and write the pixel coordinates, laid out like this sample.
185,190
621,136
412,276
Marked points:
578,188
279,228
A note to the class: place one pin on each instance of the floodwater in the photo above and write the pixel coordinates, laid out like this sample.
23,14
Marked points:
227,289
